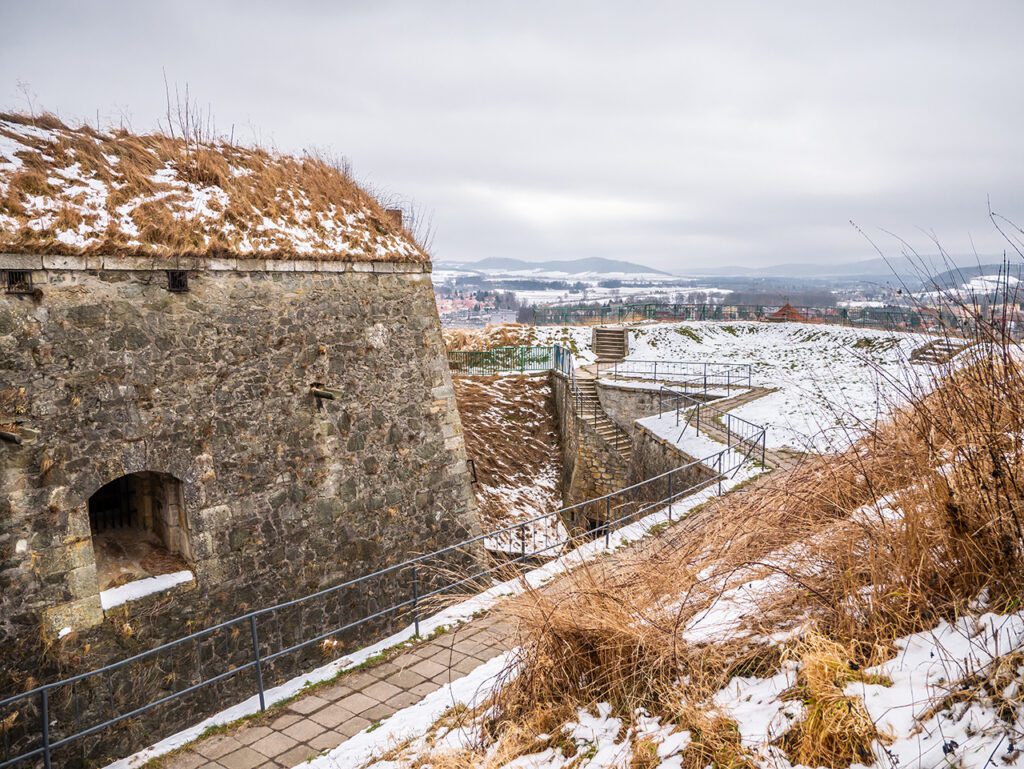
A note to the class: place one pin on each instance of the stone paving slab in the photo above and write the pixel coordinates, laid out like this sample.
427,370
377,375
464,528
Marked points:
329,715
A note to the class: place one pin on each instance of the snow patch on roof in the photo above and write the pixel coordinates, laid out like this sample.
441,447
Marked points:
65,190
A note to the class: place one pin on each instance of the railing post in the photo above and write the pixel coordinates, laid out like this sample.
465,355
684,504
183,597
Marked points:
259,662
655,371
522,542
670,495
697,407
44,710
415,601
607,522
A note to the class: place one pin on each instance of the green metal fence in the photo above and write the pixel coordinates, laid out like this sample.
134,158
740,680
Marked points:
502,360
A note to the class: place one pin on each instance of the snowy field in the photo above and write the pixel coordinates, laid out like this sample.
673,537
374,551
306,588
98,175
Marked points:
832,381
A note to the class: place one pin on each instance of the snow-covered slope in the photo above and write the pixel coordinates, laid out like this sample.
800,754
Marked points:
831,380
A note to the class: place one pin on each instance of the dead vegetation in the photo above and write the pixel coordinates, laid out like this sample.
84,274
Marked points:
79,191
511,433
489,337
841,555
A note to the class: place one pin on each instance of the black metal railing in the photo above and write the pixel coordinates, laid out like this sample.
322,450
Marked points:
740,434
699,376
414,581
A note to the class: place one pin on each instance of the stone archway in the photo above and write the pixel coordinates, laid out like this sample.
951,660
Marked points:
138,528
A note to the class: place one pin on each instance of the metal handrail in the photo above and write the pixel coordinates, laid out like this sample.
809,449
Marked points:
745,432
499,360
696,374
412,566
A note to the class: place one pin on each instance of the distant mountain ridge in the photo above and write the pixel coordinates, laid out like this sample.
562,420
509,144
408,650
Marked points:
592,264
961,275
897,266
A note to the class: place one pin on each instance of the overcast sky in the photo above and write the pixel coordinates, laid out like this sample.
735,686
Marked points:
675,134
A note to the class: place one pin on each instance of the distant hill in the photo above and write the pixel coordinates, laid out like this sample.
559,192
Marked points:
962,275
898,266
593,265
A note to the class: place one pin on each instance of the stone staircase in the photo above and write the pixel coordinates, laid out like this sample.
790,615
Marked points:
610,343
939,351
589,409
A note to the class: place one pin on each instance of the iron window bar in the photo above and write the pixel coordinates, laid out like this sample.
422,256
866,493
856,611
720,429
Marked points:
18,282
177,281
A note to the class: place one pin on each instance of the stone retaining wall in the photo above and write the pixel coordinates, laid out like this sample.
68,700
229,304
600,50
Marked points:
654,456
625,404
590,466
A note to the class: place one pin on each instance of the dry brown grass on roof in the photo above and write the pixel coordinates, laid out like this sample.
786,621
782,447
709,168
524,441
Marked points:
290,191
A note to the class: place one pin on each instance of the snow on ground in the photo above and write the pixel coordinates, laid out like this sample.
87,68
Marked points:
140,588
919,726
631,384
686,437
986,284
512,436
554,297
831,380
597,735
927,667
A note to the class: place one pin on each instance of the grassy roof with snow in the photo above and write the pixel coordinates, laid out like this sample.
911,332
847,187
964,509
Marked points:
76,191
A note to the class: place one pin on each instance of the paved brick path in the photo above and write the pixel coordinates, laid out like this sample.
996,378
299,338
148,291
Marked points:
323,719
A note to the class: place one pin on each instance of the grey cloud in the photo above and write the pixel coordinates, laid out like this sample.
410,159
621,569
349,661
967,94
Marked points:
671,133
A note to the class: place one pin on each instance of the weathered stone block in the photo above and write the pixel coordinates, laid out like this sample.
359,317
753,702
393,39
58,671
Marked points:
75,615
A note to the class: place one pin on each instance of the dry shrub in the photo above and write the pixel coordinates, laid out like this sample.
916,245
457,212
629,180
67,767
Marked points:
1000,687
952,526
30,181
835,729
489,337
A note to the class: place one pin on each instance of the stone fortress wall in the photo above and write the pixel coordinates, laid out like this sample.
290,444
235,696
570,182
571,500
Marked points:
265,492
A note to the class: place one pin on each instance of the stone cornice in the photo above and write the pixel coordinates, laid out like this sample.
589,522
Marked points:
192,263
